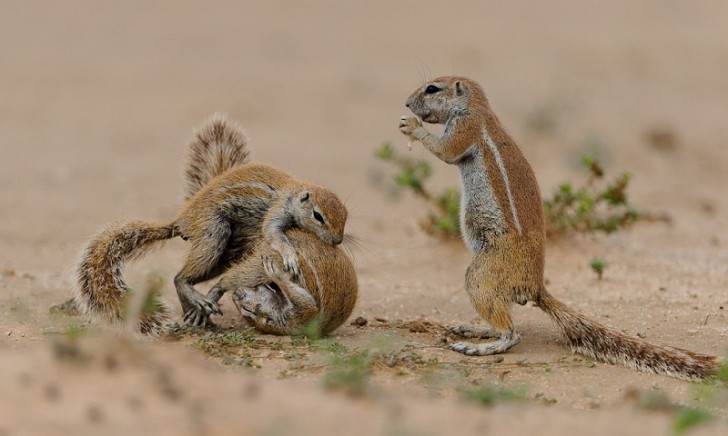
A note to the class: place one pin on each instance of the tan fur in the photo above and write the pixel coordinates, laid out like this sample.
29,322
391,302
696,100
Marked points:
222,219
323,298
503,224
218,145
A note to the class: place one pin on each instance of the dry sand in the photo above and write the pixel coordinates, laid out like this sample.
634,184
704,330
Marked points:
97,102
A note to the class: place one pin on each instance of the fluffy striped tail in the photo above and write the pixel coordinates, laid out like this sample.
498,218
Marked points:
102,290
590,338
218,145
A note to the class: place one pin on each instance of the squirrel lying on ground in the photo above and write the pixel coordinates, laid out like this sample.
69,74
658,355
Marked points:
502,223
227,202
273,301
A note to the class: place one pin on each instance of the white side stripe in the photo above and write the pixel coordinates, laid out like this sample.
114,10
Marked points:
491,145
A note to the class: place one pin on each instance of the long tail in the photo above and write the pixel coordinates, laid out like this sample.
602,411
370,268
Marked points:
102,290
218,145
590,338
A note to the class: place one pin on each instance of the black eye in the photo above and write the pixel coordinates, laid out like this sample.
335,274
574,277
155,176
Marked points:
304,197
431,89
318,217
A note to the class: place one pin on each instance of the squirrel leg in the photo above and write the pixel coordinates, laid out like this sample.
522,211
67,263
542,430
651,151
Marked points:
492,301
203,263
300,302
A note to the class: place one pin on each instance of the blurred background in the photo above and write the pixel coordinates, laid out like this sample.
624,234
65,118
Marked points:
98,100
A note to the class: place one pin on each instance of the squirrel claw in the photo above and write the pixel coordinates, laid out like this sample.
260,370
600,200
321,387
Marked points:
291,270
408,124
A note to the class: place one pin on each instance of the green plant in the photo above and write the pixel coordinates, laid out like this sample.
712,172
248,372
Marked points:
709,402
349,373
596,205
598,265
146,301
444,218
592,206
232,347
490,395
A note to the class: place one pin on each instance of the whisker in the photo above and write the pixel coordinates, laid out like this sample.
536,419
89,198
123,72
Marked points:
353,245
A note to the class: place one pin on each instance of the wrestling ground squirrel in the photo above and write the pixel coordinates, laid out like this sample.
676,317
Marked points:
273,301
227,200
502,223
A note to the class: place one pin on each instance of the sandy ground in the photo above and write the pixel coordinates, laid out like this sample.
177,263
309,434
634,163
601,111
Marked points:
97,102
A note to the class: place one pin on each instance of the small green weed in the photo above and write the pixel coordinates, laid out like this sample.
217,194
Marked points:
598,265
145,302
709,403
232,347
444,218
349,373
490,395
688,417
593,206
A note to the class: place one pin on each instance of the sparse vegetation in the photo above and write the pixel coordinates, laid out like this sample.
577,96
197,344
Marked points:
595,205
710,397
443,219
349,373
489,395
592,206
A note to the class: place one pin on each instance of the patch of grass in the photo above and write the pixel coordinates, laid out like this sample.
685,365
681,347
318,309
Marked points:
490,395
710,401
313,329
689,417
349,373
232,347
443,219
598,265
593,206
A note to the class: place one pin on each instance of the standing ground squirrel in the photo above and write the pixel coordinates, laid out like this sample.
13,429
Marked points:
502,223
227,203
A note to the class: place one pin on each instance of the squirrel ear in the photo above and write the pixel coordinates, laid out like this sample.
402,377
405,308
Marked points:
304,197
459,89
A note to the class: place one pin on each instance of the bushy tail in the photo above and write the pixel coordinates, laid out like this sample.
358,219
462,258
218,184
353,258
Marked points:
218,145
590,338
102,290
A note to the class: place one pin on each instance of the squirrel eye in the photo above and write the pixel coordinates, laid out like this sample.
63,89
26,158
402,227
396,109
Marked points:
318,217
431,89
304,197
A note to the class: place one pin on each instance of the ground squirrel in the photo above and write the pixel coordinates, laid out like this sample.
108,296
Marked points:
502,223
272,300
227,200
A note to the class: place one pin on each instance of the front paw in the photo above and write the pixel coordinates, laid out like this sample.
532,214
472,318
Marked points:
408,124
290,270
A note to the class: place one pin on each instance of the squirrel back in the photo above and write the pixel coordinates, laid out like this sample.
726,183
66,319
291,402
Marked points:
218,145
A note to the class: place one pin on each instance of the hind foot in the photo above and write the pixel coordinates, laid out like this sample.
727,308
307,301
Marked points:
468,331
504,342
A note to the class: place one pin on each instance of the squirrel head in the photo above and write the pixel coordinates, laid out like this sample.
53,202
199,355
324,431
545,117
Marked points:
320,211
444,98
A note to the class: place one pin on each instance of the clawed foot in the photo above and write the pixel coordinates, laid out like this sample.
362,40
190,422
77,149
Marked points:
467,331
501,345
197,311
408,124
289,259
276,273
